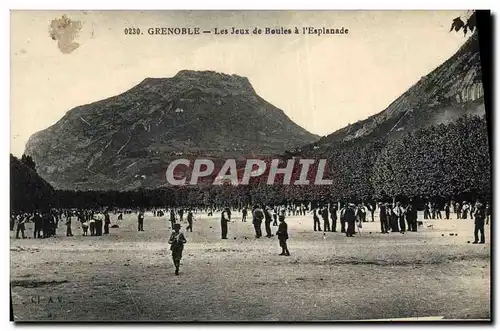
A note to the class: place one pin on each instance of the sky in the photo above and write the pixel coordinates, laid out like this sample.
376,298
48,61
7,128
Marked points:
323,83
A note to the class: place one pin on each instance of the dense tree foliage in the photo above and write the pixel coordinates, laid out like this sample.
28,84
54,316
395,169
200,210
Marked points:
27,190
28,161
440,161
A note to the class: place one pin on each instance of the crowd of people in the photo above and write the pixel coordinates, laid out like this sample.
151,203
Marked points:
393,217
46,222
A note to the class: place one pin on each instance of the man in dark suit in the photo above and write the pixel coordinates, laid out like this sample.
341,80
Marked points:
190,219
38,225
172,218
282,234
384,219
257,215
140,221
225,218
350,218
107,222
333,215
411,218
488,213
371,207
244,212
479,218
447,210
326,221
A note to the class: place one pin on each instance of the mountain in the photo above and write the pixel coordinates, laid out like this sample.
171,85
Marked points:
449,92
28,191
127,141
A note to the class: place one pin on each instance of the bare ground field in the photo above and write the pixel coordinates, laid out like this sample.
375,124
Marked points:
129,275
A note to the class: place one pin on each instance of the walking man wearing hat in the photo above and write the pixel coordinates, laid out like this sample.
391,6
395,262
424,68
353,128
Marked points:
177,241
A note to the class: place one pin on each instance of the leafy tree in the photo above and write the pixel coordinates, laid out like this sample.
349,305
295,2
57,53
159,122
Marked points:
469,24
28,161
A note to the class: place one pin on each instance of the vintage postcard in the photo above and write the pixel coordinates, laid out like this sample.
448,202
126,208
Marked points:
274,166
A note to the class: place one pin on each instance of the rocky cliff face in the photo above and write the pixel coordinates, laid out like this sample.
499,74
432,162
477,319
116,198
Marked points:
127,141
447,93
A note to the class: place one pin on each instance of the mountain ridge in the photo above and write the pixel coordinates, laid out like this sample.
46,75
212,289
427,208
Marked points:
452,89
138,131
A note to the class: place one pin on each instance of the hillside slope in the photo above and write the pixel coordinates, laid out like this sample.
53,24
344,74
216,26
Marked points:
127,141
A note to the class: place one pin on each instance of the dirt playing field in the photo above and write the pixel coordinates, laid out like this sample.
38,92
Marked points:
129,275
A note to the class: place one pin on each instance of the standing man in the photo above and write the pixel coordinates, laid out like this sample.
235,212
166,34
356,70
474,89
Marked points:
399,218
13,220
177,241
333,215
411,218
362,212
457,209
326,221
488,213
172,218
317,224
85,227
433,210
68,225
20,225
447,211
46,224
244,213
427,213
225,218
107,222
92,226
257,216
372,206
384,220
472,210
190,219
267,221
342,219
99,218
350,218
140,221
465,210
479,218
282,234
37,219
275,216
437,207
282,215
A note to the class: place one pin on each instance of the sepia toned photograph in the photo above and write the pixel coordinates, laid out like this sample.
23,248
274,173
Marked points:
250,166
